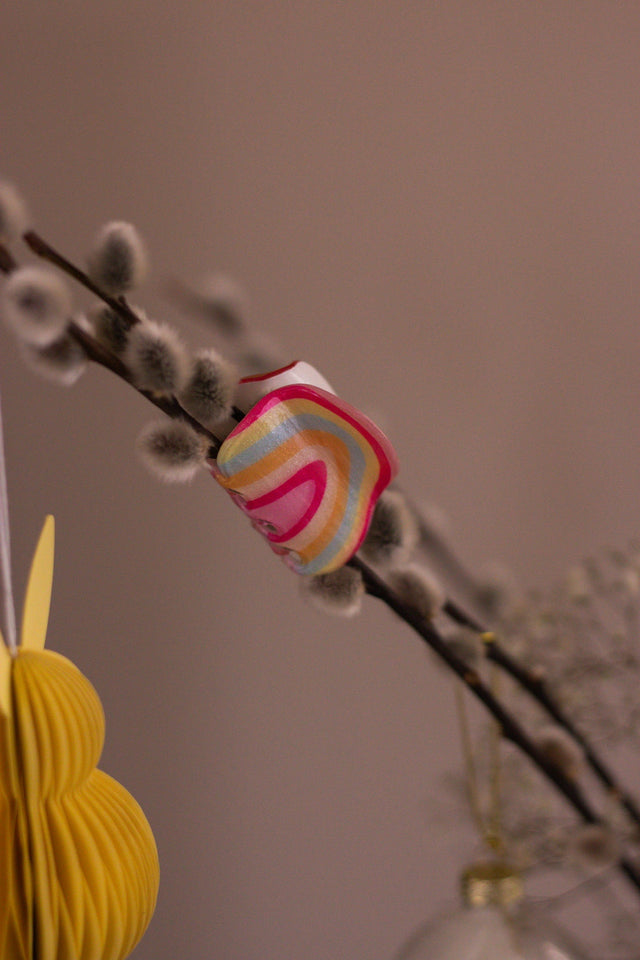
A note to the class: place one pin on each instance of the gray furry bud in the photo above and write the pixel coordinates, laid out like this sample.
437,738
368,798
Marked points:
156,357
118,260
560,749
63,361
593,848
111,328
208,391
419,589
171,450
36,304
13,213
466,645
498,591
393,532
339,592
222,303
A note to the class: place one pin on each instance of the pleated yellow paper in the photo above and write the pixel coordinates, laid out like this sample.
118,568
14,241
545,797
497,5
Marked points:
78,862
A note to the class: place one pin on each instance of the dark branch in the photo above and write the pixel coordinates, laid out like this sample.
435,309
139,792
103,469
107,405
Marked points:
510,728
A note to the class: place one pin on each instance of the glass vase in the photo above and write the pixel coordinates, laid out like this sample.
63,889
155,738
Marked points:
494,922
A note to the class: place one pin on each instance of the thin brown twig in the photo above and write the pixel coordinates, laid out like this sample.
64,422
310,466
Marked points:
510,727
45,251
538,690
119,305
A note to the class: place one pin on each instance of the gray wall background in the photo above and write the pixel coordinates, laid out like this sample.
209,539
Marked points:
437,204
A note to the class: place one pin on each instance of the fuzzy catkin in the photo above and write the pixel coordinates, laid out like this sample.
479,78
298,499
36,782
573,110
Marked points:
560,749
171,450
339,592
208,390
392,533
466,645
118,260
419,589
222,303
156,357
111,328
36,305
63,361
593,847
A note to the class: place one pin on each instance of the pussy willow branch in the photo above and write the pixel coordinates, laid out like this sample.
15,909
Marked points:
537,689
119,305
437,549
509,726
169,405
98,353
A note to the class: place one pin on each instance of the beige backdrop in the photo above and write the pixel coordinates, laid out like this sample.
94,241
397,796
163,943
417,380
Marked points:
438,205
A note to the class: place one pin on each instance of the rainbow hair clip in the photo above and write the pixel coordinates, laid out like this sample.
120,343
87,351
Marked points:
306,467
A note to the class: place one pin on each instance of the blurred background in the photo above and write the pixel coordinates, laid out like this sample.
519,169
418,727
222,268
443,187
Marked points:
437,205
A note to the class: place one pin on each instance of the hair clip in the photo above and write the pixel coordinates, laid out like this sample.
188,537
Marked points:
306,467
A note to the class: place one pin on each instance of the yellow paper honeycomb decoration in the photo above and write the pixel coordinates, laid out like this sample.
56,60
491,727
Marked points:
78,862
